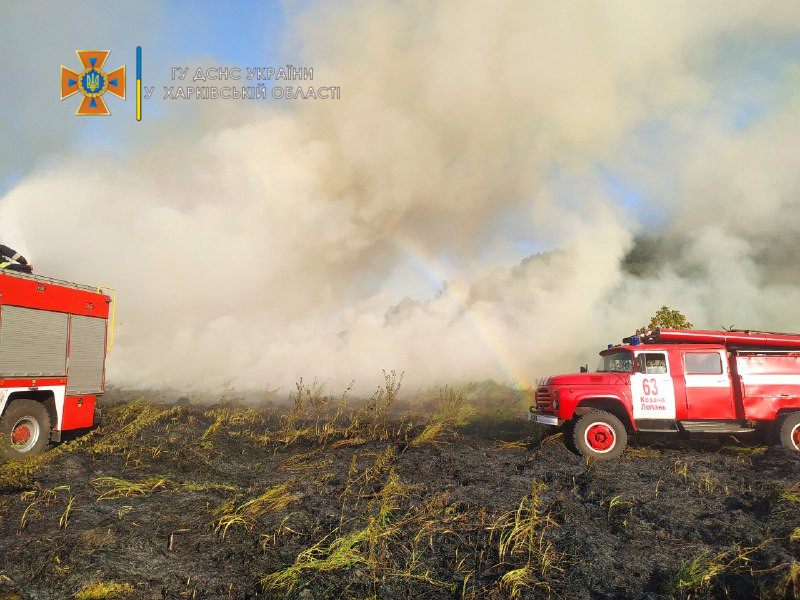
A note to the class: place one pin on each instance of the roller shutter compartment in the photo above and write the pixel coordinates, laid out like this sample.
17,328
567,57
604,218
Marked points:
32,342
87,343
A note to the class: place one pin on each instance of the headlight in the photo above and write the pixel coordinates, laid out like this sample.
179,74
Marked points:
555,400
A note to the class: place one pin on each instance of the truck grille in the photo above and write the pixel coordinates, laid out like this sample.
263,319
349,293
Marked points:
543,399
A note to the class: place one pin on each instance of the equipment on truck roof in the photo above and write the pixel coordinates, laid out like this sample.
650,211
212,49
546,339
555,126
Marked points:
734,337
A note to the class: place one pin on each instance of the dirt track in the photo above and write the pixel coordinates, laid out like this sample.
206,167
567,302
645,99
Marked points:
227,502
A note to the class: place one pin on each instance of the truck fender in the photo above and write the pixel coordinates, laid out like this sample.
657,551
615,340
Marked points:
49,396
613,404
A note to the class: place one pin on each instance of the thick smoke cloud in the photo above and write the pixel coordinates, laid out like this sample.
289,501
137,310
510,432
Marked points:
399,226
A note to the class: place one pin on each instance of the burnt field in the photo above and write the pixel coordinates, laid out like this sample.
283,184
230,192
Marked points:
383,500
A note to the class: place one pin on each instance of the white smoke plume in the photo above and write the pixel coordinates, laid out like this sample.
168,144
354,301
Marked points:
333,239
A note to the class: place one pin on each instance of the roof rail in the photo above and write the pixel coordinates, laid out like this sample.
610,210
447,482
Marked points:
50,280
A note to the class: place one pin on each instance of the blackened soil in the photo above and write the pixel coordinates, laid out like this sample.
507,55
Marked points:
476,512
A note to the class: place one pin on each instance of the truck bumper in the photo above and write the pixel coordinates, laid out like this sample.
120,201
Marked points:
544,419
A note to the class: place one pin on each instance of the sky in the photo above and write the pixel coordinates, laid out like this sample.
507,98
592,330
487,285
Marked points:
464,210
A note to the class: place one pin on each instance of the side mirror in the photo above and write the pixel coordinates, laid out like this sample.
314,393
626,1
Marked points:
584,368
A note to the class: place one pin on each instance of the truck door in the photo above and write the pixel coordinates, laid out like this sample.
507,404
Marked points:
708,385
652,391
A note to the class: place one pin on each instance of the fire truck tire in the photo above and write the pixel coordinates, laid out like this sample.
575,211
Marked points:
600,435
790,431
25,427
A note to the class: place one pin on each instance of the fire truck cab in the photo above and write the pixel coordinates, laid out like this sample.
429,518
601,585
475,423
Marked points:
678,381
53,344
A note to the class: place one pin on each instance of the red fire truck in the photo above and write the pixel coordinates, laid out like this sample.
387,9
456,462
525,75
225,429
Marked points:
678,381
53,344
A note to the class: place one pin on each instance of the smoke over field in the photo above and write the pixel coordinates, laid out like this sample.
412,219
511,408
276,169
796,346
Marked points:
498,192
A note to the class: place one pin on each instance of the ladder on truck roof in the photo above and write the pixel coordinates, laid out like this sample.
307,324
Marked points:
733,338
50,280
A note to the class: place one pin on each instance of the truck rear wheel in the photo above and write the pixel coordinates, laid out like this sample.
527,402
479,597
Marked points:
600,435
25,427
790,431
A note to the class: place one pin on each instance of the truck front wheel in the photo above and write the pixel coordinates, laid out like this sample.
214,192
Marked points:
599,434
790,431
25,427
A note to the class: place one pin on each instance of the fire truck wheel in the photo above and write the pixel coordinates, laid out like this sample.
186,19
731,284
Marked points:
790,431
25,427
600,434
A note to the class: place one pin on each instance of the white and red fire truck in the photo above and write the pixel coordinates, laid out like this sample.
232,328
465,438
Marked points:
678,381
53,344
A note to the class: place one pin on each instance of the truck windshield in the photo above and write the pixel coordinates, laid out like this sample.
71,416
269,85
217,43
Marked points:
616,362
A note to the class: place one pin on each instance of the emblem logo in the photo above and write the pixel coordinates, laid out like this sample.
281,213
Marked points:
93,82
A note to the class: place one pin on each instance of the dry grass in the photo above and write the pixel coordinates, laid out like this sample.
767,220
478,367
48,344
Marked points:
450,409
326,422
17,474
37,499
228,419
63,521
104,591
371,420
299,463
703,572
641,452
617,501
246,514
113,488
513,445
789,585
745,450
522,536
706,485
377,537
681,469
370,545
355,441
791,493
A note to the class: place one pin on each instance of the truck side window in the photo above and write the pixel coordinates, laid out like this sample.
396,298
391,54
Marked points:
702,362
653,363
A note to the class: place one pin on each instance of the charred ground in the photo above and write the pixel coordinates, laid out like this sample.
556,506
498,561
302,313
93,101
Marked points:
329,501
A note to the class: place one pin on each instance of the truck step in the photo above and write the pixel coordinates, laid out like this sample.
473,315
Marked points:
656,425
714,427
